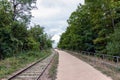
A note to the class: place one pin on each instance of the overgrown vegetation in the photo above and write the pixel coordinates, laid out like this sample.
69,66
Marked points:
94,27
10,65
114,44
20,43
16,34
53,68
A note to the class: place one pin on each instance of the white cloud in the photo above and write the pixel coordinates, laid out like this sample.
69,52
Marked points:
53,15
44,13
56,38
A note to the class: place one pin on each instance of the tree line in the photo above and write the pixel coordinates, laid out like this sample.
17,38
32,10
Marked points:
94,27
15,34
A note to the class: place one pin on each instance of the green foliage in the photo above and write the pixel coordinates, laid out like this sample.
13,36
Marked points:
113,46
15,37
5,29
19,30
40,37
90,27
99,41
30,44
78,35
36,32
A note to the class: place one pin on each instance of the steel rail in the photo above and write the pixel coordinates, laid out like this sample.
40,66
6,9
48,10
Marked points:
27,68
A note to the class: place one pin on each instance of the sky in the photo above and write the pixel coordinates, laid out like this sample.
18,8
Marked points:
53,16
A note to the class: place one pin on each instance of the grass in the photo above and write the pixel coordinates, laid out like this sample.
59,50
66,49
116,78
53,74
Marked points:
111,71
12,64
53,68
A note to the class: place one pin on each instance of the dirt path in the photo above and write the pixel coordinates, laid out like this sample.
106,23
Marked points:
72,68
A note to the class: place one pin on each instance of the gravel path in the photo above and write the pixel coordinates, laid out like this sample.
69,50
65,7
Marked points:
72,68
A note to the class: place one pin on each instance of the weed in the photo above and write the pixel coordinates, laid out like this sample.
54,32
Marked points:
12,64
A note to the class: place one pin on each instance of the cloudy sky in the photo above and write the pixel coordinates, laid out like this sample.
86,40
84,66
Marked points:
53,15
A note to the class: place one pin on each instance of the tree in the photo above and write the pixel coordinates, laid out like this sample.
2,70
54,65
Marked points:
91,25
22,8
20,33
15,37
5,28
37,33
78,35
113,46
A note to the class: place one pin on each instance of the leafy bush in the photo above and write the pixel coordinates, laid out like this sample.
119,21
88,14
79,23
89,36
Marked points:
113,46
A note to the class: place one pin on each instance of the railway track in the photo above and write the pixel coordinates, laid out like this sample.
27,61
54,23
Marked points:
34,71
